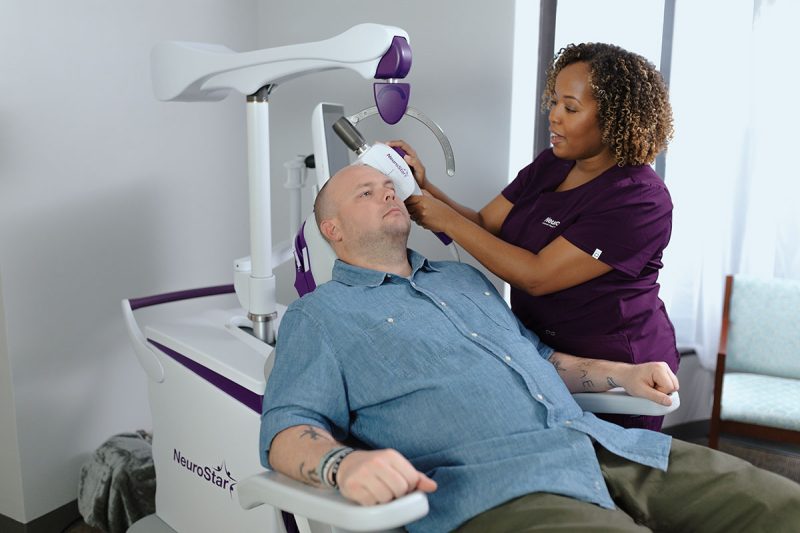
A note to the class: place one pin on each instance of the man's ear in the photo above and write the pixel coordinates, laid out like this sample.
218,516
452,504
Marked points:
330,230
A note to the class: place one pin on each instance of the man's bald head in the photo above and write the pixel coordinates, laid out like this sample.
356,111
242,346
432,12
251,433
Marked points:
358,204
367,225
325,206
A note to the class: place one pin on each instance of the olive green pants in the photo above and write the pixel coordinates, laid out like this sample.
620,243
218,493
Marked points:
703,491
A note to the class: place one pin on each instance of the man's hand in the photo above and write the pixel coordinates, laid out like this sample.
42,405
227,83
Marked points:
379,476
653,381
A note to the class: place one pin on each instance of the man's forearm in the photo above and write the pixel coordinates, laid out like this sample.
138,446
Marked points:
297,451
582,374
366,477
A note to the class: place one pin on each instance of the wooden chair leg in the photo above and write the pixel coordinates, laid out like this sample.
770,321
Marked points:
713,436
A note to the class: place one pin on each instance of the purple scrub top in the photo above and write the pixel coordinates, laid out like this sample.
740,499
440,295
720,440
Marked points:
622,218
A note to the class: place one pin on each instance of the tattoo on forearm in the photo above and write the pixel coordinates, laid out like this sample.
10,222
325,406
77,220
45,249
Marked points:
584,369
588,384
559,366
611,382
309,475
311,432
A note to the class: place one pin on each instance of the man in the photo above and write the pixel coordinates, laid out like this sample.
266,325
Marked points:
424,370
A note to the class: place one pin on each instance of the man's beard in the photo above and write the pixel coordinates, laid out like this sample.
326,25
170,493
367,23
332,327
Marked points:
384,245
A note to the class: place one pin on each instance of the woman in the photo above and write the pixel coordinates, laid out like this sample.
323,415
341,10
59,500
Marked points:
580,232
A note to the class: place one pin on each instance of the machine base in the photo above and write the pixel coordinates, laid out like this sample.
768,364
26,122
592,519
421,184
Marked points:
150,524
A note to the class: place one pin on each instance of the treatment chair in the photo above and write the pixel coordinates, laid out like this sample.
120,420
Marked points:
314,261
757,380
206,379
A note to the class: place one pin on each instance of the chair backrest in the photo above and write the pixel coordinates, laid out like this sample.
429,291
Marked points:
313,257
764,328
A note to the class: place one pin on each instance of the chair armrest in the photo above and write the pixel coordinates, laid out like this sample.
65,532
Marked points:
328,506
620,402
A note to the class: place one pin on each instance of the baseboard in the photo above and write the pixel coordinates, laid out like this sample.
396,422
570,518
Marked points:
55,521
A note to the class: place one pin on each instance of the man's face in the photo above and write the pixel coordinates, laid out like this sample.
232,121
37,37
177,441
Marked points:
367,211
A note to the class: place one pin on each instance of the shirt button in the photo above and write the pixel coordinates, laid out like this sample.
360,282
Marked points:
390,320
596,485
474,334
568,422
507,358
443,304
487,293
539,397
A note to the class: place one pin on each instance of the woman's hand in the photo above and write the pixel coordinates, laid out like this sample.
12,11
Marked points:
417,168
429,212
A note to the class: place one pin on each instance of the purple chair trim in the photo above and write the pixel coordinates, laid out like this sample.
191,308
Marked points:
244,396
157,299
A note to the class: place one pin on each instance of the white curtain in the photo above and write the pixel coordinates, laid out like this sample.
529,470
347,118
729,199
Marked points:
733,167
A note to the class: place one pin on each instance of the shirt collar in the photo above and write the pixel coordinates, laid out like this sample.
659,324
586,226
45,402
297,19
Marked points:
354,275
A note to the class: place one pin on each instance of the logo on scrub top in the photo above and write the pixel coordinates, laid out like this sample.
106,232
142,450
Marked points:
216,475
550,223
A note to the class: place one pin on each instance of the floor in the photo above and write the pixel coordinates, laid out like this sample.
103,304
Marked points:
81,527
778,458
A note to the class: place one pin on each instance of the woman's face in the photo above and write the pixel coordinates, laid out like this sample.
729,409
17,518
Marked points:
574,128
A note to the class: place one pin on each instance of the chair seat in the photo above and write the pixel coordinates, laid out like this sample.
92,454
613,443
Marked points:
763,400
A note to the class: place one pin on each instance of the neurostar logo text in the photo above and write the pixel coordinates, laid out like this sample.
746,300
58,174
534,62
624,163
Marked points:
211,474
397,165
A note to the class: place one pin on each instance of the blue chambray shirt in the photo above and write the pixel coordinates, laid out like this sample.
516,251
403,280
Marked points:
437,367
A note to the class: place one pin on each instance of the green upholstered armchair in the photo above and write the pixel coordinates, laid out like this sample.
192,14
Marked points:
757,381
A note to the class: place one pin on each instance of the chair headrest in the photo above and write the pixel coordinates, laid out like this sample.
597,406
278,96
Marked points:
313,257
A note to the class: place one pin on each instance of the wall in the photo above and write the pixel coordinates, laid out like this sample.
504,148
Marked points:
11,503
460,78
105,193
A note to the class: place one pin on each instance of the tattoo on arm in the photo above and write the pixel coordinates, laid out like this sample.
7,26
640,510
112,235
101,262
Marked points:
309,475
311,432
611,382
559,367
588,384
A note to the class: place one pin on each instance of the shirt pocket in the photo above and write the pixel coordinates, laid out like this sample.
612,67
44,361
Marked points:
613,347
482,305
410,346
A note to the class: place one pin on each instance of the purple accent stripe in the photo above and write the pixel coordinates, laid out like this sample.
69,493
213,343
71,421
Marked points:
156,299
242,395
289,522
303,277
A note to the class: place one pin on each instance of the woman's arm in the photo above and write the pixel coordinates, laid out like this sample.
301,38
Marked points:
560,265
490,218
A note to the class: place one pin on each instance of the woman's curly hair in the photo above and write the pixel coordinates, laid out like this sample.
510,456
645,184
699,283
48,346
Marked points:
634,113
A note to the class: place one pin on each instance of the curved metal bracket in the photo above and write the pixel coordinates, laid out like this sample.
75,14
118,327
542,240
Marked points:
413,112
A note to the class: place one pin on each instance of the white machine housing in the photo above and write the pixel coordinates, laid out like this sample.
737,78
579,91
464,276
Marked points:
206,416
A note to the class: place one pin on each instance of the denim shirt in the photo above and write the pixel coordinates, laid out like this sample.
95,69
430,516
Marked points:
437,367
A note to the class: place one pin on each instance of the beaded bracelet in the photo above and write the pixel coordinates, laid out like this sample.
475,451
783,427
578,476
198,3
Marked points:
326,463
336,464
